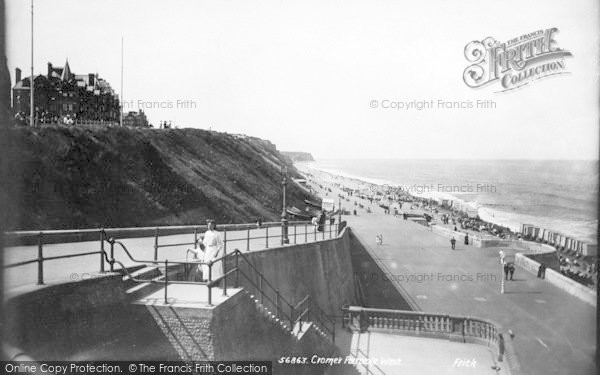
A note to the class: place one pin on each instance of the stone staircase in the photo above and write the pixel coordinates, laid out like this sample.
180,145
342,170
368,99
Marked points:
297,330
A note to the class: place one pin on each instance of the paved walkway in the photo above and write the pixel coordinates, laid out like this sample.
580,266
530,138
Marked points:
379,353
555,332
77,268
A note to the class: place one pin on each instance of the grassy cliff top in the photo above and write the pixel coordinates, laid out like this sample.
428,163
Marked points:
79,177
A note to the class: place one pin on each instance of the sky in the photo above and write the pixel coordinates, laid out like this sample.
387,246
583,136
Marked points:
321,76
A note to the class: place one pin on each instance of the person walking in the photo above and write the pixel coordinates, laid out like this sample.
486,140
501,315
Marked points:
453,243
542,271
506,271
467,239
322,218
511,270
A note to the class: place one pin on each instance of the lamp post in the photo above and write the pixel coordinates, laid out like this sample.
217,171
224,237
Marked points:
501,253
284,220
32,82
339,211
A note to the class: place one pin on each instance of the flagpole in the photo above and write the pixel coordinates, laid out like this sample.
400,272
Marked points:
32,82
122,98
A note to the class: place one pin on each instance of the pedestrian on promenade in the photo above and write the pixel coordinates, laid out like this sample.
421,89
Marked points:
542,271
213,244
453,243
321,223
467,239
511,269
506,271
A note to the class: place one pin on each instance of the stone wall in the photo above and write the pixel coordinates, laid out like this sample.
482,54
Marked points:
321,269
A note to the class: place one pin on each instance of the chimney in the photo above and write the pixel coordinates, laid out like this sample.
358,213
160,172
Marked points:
90,79
49,69
17,75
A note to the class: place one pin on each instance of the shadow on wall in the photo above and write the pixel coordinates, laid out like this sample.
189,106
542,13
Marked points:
373,287
85,320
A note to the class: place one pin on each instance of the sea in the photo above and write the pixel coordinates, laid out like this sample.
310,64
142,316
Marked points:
559,195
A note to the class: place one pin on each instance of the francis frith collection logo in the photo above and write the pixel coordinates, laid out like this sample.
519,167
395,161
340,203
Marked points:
515,63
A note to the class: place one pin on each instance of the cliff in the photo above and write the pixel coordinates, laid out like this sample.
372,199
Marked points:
298,156
78,177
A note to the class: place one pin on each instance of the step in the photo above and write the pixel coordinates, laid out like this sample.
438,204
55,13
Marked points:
139,290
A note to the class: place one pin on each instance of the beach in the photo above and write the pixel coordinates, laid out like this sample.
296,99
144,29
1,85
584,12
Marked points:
479,224
555,195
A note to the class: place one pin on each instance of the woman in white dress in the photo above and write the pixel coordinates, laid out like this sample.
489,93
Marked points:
210,249
213,249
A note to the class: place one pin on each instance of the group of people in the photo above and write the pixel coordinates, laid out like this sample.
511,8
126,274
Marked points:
446,219
319,221
453,241
509,269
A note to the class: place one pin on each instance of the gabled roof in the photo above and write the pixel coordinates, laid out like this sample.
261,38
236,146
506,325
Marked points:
66,73
24,82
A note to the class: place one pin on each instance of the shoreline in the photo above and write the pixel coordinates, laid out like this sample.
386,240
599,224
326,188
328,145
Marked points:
483,213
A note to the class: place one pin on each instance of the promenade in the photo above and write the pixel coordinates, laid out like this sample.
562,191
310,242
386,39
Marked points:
555,333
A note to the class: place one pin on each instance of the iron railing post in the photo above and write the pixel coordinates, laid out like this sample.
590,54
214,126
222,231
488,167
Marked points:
112,255
40,259
260,291
237,270
209,283
291,317
248,240
166,279
195,237
102,235
224,241
267,237
295,233
333,332
224,261
156,245
305,233
315,231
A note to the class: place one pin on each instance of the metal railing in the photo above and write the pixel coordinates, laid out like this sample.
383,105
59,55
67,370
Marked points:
306,231
297,230
268,296
41,258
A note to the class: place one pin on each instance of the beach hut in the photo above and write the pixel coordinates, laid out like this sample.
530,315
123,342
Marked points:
563,241
590,249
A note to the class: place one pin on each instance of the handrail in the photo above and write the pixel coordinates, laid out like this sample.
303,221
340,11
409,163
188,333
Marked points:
318,318
127,229
45,237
